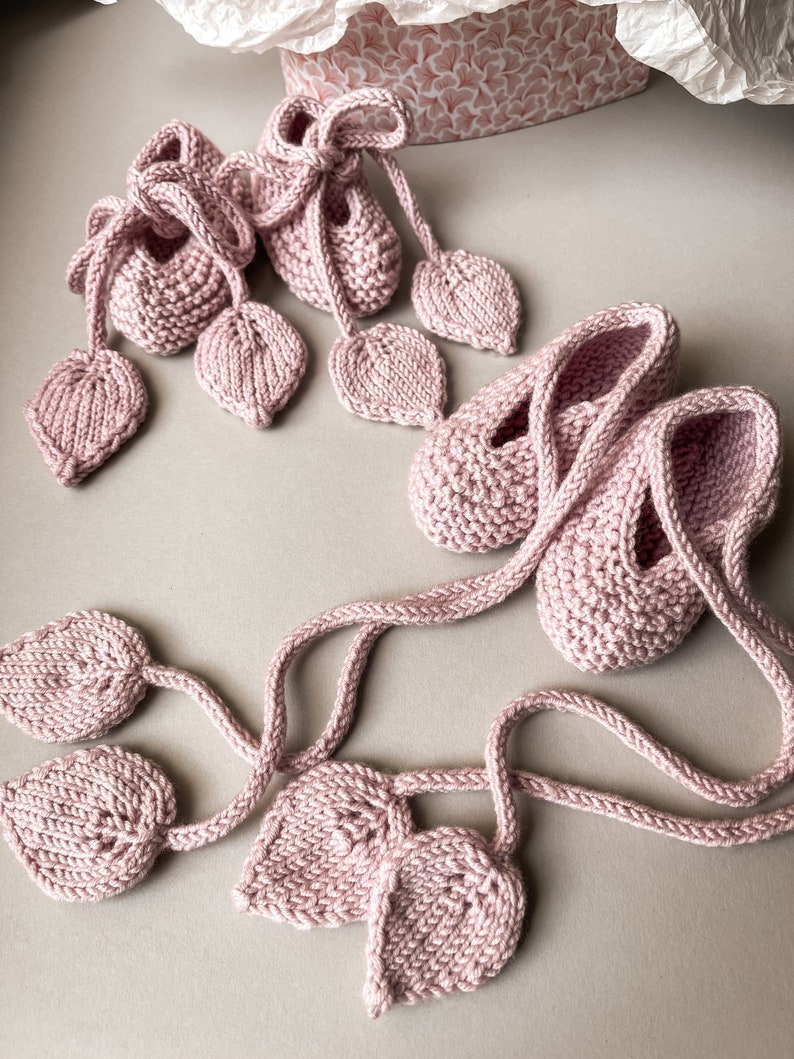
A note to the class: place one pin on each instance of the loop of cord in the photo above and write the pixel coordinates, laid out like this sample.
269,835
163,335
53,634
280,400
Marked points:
452,601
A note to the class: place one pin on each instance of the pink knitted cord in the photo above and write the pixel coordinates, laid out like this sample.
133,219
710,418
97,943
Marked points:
560,486
330,240
444,907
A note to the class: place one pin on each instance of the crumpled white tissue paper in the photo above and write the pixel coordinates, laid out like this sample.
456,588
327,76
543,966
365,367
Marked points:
720,50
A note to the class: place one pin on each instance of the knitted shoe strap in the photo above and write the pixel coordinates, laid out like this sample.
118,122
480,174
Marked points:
719,595
444,603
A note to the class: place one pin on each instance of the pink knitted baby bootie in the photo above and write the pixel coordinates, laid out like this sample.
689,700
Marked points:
668,521
332,243
474,483
311,154
167,265
164,284
361,240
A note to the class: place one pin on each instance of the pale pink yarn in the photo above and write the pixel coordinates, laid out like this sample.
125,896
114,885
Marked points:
167,264
693,478
612,591
331,241
361,240
473,484
164,284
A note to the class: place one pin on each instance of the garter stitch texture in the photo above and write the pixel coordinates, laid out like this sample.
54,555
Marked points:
473,485
361,241
331,241
678,489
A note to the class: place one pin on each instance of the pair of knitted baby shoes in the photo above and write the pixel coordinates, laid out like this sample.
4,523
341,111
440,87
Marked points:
634,508
167,265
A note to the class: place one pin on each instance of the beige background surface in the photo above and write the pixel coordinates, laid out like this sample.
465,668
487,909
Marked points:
215,540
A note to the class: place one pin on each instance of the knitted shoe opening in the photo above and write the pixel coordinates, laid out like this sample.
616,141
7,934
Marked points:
592,371
713,457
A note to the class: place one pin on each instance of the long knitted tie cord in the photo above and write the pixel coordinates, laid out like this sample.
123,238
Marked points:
444,907
444,603
92,401
389,373
44,673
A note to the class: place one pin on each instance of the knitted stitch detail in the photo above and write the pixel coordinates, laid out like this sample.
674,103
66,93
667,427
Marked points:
165,285
89,825
87,406
473,484
362,242
73,679
324,837
168,264
612,592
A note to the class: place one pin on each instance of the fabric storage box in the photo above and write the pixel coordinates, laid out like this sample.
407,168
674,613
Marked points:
481,74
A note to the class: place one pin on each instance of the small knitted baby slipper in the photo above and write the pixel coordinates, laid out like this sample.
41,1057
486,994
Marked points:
474,483
311,150
614,589
389,373
164,284
170,259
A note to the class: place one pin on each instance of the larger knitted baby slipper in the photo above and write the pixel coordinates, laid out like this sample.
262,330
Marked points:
474,482
615,589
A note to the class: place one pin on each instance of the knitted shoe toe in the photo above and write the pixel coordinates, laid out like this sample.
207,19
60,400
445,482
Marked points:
474,483
612,591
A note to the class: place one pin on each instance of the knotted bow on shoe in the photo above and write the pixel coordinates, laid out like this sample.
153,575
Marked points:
331,143
249,358
335,247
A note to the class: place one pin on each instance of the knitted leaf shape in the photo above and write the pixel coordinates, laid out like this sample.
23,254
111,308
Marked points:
74,678
445,915
391,374
87,406
89,825
250,360
318,852
467,298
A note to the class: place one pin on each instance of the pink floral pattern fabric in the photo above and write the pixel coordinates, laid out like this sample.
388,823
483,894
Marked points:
483,74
